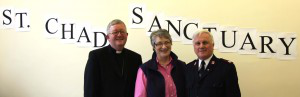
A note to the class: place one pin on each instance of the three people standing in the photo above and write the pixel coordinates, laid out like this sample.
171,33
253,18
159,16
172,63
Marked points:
114,71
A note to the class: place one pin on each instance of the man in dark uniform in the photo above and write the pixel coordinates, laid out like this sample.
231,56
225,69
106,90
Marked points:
209,76
111,71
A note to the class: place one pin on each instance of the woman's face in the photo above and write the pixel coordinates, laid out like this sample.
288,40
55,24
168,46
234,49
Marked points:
162,47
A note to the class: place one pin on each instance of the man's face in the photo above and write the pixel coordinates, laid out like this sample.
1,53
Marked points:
203,46
117,36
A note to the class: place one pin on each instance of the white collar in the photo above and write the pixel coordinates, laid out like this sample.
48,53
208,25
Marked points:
118,52
206,61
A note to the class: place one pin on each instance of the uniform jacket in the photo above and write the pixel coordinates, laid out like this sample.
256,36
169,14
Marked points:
219,79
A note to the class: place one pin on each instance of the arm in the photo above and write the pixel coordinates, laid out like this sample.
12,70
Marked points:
91,77
140,62
232,86
140,84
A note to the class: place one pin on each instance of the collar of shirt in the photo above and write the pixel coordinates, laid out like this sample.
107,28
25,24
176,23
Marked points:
115,51
167,64
206,62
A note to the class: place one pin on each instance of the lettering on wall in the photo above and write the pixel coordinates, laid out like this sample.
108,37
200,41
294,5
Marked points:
17,19
227,39
281,45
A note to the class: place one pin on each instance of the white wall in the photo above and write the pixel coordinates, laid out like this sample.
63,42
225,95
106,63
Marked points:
34,66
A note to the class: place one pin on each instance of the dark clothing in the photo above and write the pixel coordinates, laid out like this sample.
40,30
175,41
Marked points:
155,80
218,80
108,74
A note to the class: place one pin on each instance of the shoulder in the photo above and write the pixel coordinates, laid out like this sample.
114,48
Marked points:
100,50
133,53
147,63
180,62
192,62
145,66
225,63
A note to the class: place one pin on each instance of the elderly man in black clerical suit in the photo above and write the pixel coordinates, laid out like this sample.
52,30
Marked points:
111,71
209,76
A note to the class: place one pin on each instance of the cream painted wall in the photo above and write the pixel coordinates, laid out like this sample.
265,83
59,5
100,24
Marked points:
33,66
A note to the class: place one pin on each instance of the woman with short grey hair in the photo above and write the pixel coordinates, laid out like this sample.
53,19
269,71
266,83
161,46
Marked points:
164,74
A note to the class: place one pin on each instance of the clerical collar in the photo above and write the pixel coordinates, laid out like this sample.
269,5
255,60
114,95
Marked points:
118,52
115,51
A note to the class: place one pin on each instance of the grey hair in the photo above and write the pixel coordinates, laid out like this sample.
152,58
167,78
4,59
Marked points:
114,22
159,33
197,33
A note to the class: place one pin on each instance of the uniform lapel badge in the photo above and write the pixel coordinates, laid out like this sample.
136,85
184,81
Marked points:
212,62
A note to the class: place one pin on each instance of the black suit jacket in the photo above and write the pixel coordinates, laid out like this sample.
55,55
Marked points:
105,77
219,79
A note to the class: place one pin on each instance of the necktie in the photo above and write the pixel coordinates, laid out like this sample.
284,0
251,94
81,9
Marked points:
202,69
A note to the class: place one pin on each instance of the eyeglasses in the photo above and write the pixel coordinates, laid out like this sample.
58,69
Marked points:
160,44
118,32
